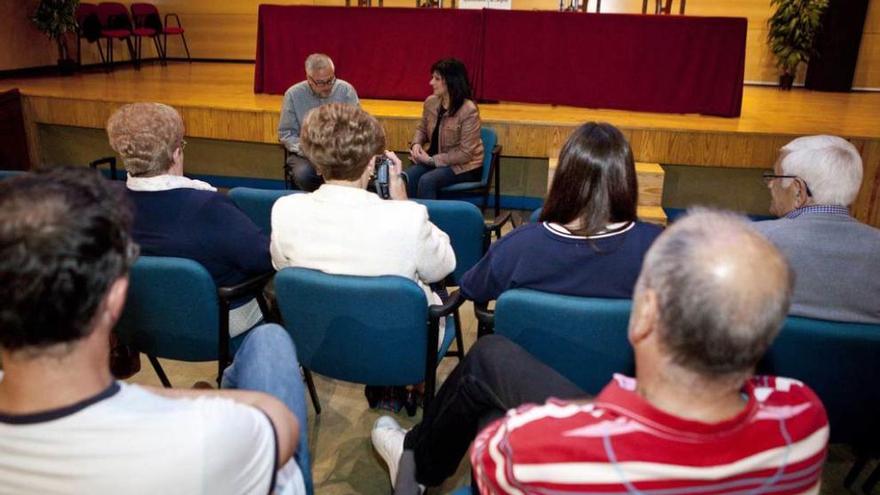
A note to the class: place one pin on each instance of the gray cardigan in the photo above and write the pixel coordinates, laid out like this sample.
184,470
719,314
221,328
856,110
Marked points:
836,261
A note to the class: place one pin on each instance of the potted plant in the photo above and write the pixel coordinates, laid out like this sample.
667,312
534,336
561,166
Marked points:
792,32
56,18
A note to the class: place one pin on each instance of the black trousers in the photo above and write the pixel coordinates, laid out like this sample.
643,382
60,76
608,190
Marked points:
304,174
495,376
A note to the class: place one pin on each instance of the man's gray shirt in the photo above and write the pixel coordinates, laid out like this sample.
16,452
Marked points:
836,261
299,100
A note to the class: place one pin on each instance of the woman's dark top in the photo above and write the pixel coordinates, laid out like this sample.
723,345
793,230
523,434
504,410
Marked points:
547,257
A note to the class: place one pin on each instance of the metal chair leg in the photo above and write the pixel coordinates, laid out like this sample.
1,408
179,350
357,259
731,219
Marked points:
459,339
868,485
159,52
185,47
159,371
854,472
313,392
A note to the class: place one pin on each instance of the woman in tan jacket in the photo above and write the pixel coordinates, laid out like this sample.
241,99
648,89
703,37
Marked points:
446,147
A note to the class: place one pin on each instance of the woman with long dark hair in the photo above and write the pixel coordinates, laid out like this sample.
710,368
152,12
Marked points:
589,242
446,147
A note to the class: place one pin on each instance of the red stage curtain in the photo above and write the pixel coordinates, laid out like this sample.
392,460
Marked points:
655,63
672,64
383,52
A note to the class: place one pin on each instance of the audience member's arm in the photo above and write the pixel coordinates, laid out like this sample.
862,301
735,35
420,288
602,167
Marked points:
469,145
435,258
234,237
288,126
483,282
420,137
283,420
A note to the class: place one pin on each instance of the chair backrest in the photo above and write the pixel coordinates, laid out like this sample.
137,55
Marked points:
146,15
536,215
841,363
257,203
463,223
368,330
6,174
584,339
143,9
490,139
172,310
84,11
113,15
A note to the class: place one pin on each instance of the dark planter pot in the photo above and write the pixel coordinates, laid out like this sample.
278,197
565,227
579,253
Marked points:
66,66
786,81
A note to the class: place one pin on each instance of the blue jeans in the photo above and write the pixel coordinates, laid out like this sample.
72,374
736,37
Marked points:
425,181
266,362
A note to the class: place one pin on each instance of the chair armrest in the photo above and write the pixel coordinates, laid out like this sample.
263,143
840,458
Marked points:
250,286
484,315
499,222
109,160
435,311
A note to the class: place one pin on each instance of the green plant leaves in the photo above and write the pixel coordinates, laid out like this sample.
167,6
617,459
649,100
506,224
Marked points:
792,31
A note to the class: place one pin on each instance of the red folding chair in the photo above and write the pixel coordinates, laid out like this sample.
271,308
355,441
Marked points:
116,25
88,26
147,24
174,31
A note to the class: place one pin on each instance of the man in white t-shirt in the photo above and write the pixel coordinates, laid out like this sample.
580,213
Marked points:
66,426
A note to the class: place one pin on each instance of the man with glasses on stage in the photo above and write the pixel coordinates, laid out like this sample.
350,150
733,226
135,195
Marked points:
834,256
319,88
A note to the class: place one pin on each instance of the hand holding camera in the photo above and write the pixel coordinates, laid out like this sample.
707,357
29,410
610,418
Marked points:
389,181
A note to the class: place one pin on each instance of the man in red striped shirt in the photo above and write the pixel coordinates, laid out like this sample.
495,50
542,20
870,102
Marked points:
711,297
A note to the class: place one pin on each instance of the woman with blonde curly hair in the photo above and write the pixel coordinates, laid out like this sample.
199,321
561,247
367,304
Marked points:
181,217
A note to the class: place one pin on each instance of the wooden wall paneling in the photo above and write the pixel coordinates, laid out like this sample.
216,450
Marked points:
21,44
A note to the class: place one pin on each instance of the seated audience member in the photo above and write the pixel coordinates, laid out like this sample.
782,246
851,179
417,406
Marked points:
589,242
320,88
446,147
65,425
834,256
344,229
711,297
182,217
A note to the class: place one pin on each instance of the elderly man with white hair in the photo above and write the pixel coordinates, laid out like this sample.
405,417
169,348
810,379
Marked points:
814,181
320,88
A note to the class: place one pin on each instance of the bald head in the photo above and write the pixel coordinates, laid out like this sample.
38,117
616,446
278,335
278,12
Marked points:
722,292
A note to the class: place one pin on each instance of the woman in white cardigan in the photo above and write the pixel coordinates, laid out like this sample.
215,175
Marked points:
344,229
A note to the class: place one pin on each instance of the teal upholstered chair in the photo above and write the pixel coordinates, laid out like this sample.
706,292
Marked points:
584,339
257,203
841,363
491,171
174,311
370,330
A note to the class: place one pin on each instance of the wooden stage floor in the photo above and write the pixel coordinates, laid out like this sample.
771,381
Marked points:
217,102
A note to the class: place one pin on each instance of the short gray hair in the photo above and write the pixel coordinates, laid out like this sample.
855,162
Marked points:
831,166
317,61
722,292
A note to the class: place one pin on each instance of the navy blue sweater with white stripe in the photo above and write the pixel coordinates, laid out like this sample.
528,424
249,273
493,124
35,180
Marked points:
547,257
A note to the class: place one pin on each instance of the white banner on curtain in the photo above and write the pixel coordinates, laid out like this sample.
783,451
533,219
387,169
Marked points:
484,4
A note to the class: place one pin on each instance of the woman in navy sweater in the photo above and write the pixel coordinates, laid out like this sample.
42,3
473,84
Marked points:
181,217
588,242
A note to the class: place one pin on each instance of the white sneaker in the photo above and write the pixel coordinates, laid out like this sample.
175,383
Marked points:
387,436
